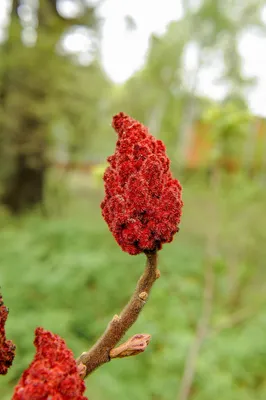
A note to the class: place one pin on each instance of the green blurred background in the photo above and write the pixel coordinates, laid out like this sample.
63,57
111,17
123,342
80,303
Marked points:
65,70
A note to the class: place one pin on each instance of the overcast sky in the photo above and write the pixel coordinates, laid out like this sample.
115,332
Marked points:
124,52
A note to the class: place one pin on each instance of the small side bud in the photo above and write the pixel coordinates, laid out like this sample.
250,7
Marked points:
143,296
82,369
116,318
133,346
158,274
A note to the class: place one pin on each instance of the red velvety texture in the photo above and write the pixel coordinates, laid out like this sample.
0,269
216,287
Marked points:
53,373
142,204
7,348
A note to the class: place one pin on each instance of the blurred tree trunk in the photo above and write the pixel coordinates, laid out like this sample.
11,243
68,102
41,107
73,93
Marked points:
24,142
25,187
29,99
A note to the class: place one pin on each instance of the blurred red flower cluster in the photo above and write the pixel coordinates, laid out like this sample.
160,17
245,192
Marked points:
7,348
52,374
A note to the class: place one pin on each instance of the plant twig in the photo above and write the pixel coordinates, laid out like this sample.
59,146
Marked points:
201,333
119,325
204,320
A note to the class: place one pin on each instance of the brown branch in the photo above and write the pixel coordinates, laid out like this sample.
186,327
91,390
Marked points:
201,334
100,353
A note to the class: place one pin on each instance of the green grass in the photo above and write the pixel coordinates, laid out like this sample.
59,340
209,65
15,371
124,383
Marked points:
67,274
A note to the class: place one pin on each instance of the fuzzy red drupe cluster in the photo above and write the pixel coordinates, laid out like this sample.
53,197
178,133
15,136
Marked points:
52,374
7,348
142,204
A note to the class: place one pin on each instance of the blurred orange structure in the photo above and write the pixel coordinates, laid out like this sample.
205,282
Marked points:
252,156
199,154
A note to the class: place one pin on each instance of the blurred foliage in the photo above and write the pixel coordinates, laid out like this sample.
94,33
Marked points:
167,88
64,271
59,111
68,263
41,90
230,128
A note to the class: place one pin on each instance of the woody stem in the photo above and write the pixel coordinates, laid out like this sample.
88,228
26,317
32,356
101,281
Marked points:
119,325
